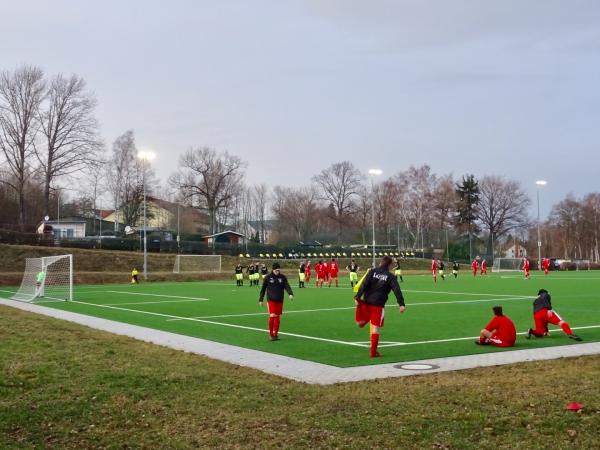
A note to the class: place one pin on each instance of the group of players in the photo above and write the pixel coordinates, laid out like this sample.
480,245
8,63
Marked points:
372,292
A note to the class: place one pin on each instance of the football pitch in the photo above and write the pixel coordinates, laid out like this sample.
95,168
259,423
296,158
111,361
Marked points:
318,325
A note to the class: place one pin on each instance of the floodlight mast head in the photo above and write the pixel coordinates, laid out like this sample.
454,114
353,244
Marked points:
375,172
146,155
541,182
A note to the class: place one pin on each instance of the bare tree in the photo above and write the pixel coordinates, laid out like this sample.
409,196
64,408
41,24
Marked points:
21,93
339,185
69,128
502,207
296,209
209,179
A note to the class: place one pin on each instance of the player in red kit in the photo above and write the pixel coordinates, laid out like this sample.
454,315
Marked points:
372,296
543,314
334,270
546,265
320,271
526,268
500,332
325,272
474,267
307,271
434,268
275,285
483,267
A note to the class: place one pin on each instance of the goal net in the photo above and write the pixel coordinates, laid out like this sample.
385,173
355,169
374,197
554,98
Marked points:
197,263
49,277
507,265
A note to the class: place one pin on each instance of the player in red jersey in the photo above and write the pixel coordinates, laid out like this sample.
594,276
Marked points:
307,271
434,268
326,271
375,288
275,285
526,268
474,267
546,265
483,267
320,271
543,314
500,332
334,270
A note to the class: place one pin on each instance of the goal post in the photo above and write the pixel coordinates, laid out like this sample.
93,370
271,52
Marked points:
48,277
507,265
197,263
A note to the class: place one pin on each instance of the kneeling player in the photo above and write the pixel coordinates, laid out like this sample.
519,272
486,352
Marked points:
500,332
275,285
543,315
376,287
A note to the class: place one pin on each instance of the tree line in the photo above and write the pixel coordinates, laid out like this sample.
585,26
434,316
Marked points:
49,135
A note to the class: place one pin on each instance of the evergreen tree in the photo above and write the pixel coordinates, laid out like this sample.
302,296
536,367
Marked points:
468,198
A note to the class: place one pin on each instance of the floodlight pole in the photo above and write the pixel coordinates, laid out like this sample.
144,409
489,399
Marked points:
539,183
145,239
373,173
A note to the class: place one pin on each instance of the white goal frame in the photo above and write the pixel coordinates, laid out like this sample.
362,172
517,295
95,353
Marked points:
507,265
190,260
57,283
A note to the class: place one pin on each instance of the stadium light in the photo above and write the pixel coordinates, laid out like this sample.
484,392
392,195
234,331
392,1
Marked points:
145,156
539,184
373,173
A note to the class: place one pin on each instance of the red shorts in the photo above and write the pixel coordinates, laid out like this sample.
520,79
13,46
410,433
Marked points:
275,307
434,272
334,275
370,313
543,317
497,341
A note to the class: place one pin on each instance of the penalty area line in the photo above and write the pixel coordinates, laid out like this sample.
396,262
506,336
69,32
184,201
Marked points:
314,338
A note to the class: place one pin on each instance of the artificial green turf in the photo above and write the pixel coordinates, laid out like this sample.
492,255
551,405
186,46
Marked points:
449,310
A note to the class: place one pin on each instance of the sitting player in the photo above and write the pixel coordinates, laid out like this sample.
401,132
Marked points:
543,315
500,332
134,276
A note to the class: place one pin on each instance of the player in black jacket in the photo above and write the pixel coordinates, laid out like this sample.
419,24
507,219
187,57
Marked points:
375,289
239,274
301,275
275,285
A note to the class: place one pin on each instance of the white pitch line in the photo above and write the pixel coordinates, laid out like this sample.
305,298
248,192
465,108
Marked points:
399,344
157,295
459,293
155,303
224,316
217,323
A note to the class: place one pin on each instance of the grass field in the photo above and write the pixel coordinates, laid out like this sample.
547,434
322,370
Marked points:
441,320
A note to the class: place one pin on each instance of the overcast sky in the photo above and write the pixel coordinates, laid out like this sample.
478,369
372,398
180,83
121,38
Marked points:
489,87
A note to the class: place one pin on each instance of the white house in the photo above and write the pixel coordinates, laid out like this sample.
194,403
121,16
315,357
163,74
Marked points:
68,227
515,251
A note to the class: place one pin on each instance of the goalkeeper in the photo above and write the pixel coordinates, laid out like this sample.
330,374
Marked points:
39,283
135,276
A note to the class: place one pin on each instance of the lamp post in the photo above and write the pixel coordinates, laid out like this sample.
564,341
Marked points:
145,156
373,173
539,184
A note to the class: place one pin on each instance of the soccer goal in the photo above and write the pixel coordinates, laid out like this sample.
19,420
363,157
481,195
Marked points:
507,265
197,263
49,277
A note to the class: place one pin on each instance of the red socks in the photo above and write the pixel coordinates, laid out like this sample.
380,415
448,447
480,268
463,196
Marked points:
374,343
271,325
566,328
276,325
